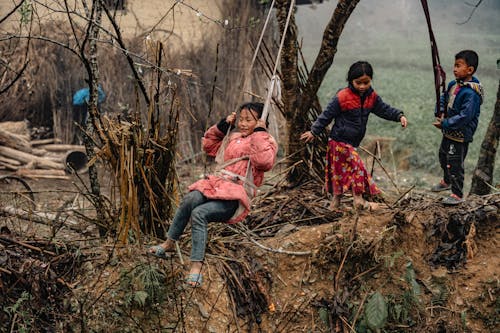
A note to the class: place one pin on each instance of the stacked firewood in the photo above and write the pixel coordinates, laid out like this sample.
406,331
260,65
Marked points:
34,158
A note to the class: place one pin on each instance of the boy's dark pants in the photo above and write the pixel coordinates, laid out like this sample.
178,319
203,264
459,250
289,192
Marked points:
451,157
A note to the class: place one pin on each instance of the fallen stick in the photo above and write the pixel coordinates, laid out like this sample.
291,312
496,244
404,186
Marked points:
42,173
29,158
382,166
44,142
62,147
8,166
9,161
31,247
300,253
43,218
15,141
5,271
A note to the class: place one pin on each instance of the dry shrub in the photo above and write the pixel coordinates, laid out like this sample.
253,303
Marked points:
43,94
214,87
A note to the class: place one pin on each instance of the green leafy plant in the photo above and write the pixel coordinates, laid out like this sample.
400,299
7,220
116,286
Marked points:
376,312
22,318
463,318
144,285
26,11
153,282
410,277
390,259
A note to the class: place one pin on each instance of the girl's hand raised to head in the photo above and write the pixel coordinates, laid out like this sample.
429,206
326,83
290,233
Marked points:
404,121
307,136
231,118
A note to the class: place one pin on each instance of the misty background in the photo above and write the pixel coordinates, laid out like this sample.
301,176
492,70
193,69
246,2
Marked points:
393,36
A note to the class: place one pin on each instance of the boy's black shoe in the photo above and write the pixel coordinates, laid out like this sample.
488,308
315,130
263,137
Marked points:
452,200
441,186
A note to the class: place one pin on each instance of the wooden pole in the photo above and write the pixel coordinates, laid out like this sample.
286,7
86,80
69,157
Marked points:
24,157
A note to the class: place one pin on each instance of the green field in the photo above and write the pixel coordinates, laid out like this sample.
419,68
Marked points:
404,79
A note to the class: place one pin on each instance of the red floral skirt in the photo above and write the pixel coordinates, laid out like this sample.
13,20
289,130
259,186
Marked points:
345,171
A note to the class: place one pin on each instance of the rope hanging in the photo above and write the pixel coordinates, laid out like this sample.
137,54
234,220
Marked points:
274,89
439,74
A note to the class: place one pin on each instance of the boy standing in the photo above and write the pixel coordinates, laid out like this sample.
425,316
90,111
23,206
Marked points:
458,117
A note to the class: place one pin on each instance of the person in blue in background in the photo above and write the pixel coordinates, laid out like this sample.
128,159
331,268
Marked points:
81,100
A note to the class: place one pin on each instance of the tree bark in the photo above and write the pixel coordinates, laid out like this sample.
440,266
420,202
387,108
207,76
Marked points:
91,125
327,51
482,178
300,100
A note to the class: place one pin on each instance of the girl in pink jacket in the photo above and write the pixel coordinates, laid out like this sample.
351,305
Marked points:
225,195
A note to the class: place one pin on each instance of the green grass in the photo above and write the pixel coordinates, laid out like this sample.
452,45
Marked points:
404,79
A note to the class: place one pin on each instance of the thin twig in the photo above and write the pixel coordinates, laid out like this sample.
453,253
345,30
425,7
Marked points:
305,253
5,271
358,312
382,166
402,195
178,250
337,276
31,247
472,12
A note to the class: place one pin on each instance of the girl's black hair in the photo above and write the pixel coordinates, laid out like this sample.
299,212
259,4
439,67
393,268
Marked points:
254,106
358,69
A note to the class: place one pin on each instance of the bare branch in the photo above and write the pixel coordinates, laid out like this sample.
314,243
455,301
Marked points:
472,12
18,75
11,12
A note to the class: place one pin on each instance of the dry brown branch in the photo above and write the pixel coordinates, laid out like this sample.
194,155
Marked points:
247,235
17,127
28,246
382,166
44,218
5,270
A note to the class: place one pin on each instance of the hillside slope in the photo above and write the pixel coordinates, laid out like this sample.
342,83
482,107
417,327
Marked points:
292,267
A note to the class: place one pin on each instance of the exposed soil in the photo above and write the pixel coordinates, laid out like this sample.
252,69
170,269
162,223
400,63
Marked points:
258,277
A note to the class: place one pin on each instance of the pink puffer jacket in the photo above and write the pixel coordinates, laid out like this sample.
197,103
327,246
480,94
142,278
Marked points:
260,147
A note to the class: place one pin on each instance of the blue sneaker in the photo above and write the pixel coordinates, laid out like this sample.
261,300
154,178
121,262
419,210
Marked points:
441,186
452,200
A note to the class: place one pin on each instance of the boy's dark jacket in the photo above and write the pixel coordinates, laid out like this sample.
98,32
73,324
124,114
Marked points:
351,111
462,118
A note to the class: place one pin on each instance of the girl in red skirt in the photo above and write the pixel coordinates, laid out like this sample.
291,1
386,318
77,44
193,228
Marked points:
350,108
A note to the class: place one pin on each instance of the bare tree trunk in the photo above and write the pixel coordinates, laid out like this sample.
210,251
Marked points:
289,75
483,174
93,71
299,99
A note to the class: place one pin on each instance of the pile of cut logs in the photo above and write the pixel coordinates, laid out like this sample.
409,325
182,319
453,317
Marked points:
28,158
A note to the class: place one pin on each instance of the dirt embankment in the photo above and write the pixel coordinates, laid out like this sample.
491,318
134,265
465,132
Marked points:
293,266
